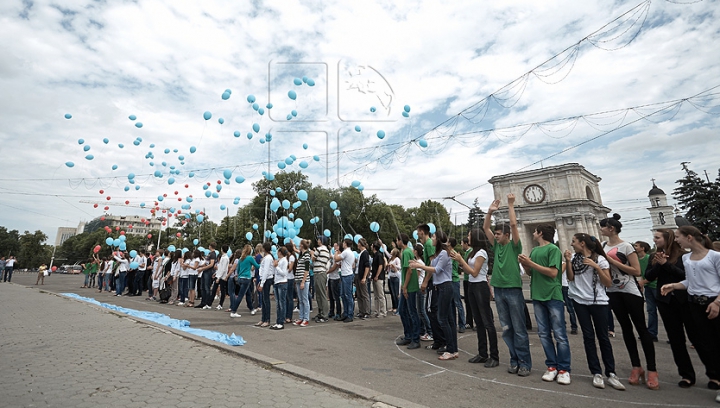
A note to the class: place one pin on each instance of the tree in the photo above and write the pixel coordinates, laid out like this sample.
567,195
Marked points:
9,242
701,201
476,216
33,252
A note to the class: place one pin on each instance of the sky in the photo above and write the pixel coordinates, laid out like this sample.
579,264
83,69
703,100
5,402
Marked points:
475,77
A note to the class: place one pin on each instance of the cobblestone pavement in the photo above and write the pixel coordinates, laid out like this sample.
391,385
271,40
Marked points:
55,352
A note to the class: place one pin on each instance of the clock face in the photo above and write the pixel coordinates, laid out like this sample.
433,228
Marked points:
534,194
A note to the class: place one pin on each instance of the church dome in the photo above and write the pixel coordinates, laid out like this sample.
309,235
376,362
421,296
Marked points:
655,191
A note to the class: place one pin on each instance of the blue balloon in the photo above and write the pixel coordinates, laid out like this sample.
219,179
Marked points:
302,195
251,98
415,235
222,207
171,248
229,91
326,233
89,157
407,108
357,128
142,204
181,158
292,95
116,242
221,121
225,96
68,116
138,125
249,236
70,164
296,205
268,137
236,133
281,165
207,115
272,193
374,227
127,188
81,141
255,227
316,158
256,127
274,204
294,113
171,180
303,164
289,161
120,145
200,218
108,241
298,81
372,109
337,213
152,145
133,253
357,238
355,183
227,173
405,114
239,179
269,106
195,241
432,227
132,117
423,143
305,146
191,174
106,140
255,106
286,204
193,149
333,205
311,82
86,148
288,117
381,134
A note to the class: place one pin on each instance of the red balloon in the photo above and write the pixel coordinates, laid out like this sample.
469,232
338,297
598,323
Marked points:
209,184
117,228
186,186
102,191
96,249
103,218
179,235
127,202
130,226
106,208
95,205
149,236
219,182
176,193
179,211
164,195
163,223
179,199
122,232
54,268
108,198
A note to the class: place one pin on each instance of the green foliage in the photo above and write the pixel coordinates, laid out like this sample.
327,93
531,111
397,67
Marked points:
701,201
33,252
9,242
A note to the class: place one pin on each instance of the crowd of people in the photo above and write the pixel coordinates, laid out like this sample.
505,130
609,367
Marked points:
596,279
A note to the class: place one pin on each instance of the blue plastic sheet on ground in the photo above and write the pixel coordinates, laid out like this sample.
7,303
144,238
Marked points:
165,320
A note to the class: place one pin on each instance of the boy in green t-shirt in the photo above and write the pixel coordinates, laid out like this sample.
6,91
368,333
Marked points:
649,288
407,305
544,265
506,280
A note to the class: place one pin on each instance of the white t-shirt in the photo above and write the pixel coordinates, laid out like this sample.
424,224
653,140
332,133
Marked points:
290,260
622,282
420,272
346,264
193,262
185,267
334,275
482,275
586,288
394,273
703,276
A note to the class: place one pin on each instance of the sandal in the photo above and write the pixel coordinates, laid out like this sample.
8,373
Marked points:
447,356
258,324
685,383
266,324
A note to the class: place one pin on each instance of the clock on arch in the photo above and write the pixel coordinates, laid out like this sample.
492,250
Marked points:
534,194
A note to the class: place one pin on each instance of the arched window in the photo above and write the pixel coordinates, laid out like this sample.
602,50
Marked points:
589,193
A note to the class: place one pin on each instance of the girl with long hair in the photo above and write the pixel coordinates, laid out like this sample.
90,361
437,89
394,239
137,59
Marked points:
627,303
242,278
588,275
702,281
478,295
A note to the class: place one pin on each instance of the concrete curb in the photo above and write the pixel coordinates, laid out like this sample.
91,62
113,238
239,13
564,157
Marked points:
352,390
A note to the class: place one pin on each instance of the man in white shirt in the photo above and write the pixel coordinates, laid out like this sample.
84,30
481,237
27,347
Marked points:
346,260
140,274
9,265
221,276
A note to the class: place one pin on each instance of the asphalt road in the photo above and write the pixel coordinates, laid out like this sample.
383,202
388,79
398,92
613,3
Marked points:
364,353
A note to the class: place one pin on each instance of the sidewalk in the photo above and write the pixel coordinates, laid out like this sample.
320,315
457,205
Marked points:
59,352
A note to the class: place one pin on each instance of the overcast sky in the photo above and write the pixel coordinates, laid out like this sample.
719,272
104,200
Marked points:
169,62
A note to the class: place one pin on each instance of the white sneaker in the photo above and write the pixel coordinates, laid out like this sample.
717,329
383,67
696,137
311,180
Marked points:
296,310
614,382
598,381
206,307
235,315
550,374
217,297
218,307
563,378
252,312
180,303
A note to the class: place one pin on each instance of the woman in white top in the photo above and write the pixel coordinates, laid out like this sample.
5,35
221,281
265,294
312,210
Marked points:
702,281
393,273
627,301
192,267
281,287
290,296
588,274
479,297
184,280
104,275
120,280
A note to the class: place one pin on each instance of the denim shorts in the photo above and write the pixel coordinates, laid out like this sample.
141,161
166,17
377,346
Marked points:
192,281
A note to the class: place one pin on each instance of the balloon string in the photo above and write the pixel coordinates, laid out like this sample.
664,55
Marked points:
202,134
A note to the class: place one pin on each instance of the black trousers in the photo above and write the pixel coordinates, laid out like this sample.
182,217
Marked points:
477,298
708,340
131,281
678,320
223,285
630,311
468,311
437,332
593,320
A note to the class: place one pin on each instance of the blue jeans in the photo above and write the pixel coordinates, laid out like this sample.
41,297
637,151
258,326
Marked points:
303,299
423,317
120,283
281,290
249,297
510,305
106,281
244,284
206,281
334,296
87,280
7,276
593,322
550,316
445,315
183,289
139,275
570,308
394,284
651,295
457,305
346,293
289,299
407,309
266,300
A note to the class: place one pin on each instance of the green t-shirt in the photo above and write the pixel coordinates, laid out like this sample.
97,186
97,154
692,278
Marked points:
90,269
428,251
506,269
643,266
466,275
455,272
407,256
543,287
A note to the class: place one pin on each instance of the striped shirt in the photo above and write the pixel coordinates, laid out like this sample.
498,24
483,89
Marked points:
322,256
303,265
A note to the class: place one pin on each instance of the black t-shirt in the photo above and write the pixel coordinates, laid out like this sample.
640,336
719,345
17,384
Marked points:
212,259
363,262
377,262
